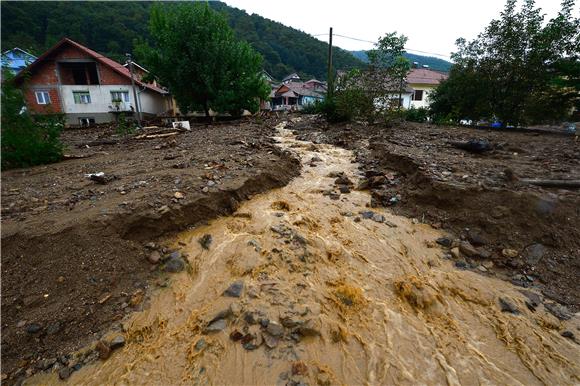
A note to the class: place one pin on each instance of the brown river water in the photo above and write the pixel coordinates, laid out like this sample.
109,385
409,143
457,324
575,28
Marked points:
348,302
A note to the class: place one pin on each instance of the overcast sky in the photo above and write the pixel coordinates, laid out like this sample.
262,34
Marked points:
431,25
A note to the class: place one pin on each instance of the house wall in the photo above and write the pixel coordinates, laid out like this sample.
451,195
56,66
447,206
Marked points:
427,89
46,78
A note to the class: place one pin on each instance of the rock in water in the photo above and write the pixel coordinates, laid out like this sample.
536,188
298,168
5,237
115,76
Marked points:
444,241
508,306
275,329
216,326
235,289
117,342
174,264
205,241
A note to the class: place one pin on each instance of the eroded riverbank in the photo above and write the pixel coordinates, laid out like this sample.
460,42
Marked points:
299,286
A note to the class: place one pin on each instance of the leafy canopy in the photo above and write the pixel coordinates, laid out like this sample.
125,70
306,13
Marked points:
519,70
194,52
27,141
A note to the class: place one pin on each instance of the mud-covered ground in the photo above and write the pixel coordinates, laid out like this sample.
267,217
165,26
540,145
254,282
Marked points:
498,224
74,255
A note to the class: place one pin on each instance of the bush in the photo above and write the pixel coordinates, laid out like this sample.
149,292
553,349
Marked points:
420,114
125,127
27,141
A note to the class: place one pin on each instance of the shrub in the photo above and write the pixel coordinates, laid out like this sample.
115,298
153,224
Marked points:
27,140
125,127
420,114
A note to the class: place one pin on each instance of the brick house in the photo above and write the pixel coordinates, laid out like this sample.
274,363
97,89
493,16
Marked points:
86,86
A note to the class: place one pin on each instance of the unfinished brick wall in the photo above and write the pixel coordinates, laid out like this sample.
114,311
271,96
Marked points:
46,77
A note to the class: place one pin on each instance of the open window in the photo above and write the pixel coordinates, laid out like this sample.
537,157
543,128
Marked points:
418,95
79,73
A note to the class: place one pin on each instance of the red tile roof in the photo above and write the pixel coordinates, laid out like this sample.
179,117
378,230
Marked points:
119,68
425,76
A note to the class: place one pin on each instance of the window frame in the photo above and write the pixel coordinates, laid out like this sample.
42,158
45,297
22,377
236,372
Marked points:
45,94
415,95
81,95
123,99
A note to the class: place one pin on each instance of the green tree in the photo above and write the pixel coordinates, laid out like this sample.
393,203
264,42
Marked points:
520,70
195,53
27,141
390,66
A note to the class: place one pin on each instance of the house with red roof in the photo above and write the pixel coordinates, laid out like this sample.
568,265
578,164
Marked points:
423,81
87,87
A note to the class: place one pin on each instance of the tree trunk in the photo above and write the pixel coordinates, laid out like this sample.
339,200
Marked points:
206,110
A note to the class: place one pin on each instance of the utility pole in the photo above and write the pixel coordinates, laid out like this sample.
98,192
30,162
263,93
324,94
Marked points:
137,109
330,91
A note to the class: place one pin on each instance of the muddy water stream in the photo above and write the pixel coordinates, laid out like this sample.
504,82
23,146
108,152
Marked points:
347,302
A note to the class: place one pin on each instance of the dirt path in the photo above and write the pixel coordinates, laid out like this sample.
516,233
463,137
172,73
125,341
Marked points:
328,296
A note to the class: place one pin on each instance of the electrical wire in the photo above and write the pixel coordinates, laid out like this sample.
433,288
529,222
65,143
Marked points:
368,41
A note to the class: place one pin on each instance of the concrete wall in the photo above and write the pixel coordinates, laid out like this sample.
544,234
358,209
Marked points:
427,89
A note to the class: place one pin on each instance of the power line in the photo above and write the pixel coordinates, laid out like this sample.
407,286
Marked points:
368,41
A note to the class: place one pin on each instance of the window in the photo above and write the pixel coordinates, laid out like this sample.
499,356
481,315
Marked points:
82,97
122,96
418,95
86,122
42,97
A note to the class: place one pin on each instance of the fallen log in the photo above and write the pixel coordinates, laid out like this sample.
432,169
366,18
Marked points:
151,136
571,184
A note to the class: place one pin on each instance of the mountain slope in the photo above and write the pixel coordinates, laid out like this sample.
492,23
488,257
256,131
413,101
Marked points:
112,28
433,63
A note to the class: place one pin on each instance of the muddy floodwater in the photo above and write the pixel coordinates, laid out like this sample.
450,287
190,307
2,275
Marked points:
327,296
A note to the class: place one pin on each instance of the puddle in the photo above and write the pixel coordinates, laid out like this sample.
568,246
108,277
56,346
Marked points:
349,302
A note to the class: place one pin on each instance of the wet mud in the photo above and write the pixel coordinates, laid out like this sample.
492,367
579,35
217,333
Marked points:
302,284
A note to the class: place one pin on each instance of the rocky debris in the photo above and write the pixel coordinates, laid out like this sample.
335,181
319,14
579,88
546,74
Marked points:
103,349
315,159
117,342
509,253
282,230
33,328
205,241
445,242
101,177
65,373
476,238
558,310
175,263
154,257
178,195
200,344
271,341
507,306
216,326
568,334
310,327
344,189
460,264
235,289
534,253
299,368
275,329
467,249
473,145
533,300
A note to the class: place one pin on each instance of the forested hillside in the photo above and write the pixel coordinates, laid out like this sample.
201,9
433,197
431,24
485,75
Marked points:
112,28
433,63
